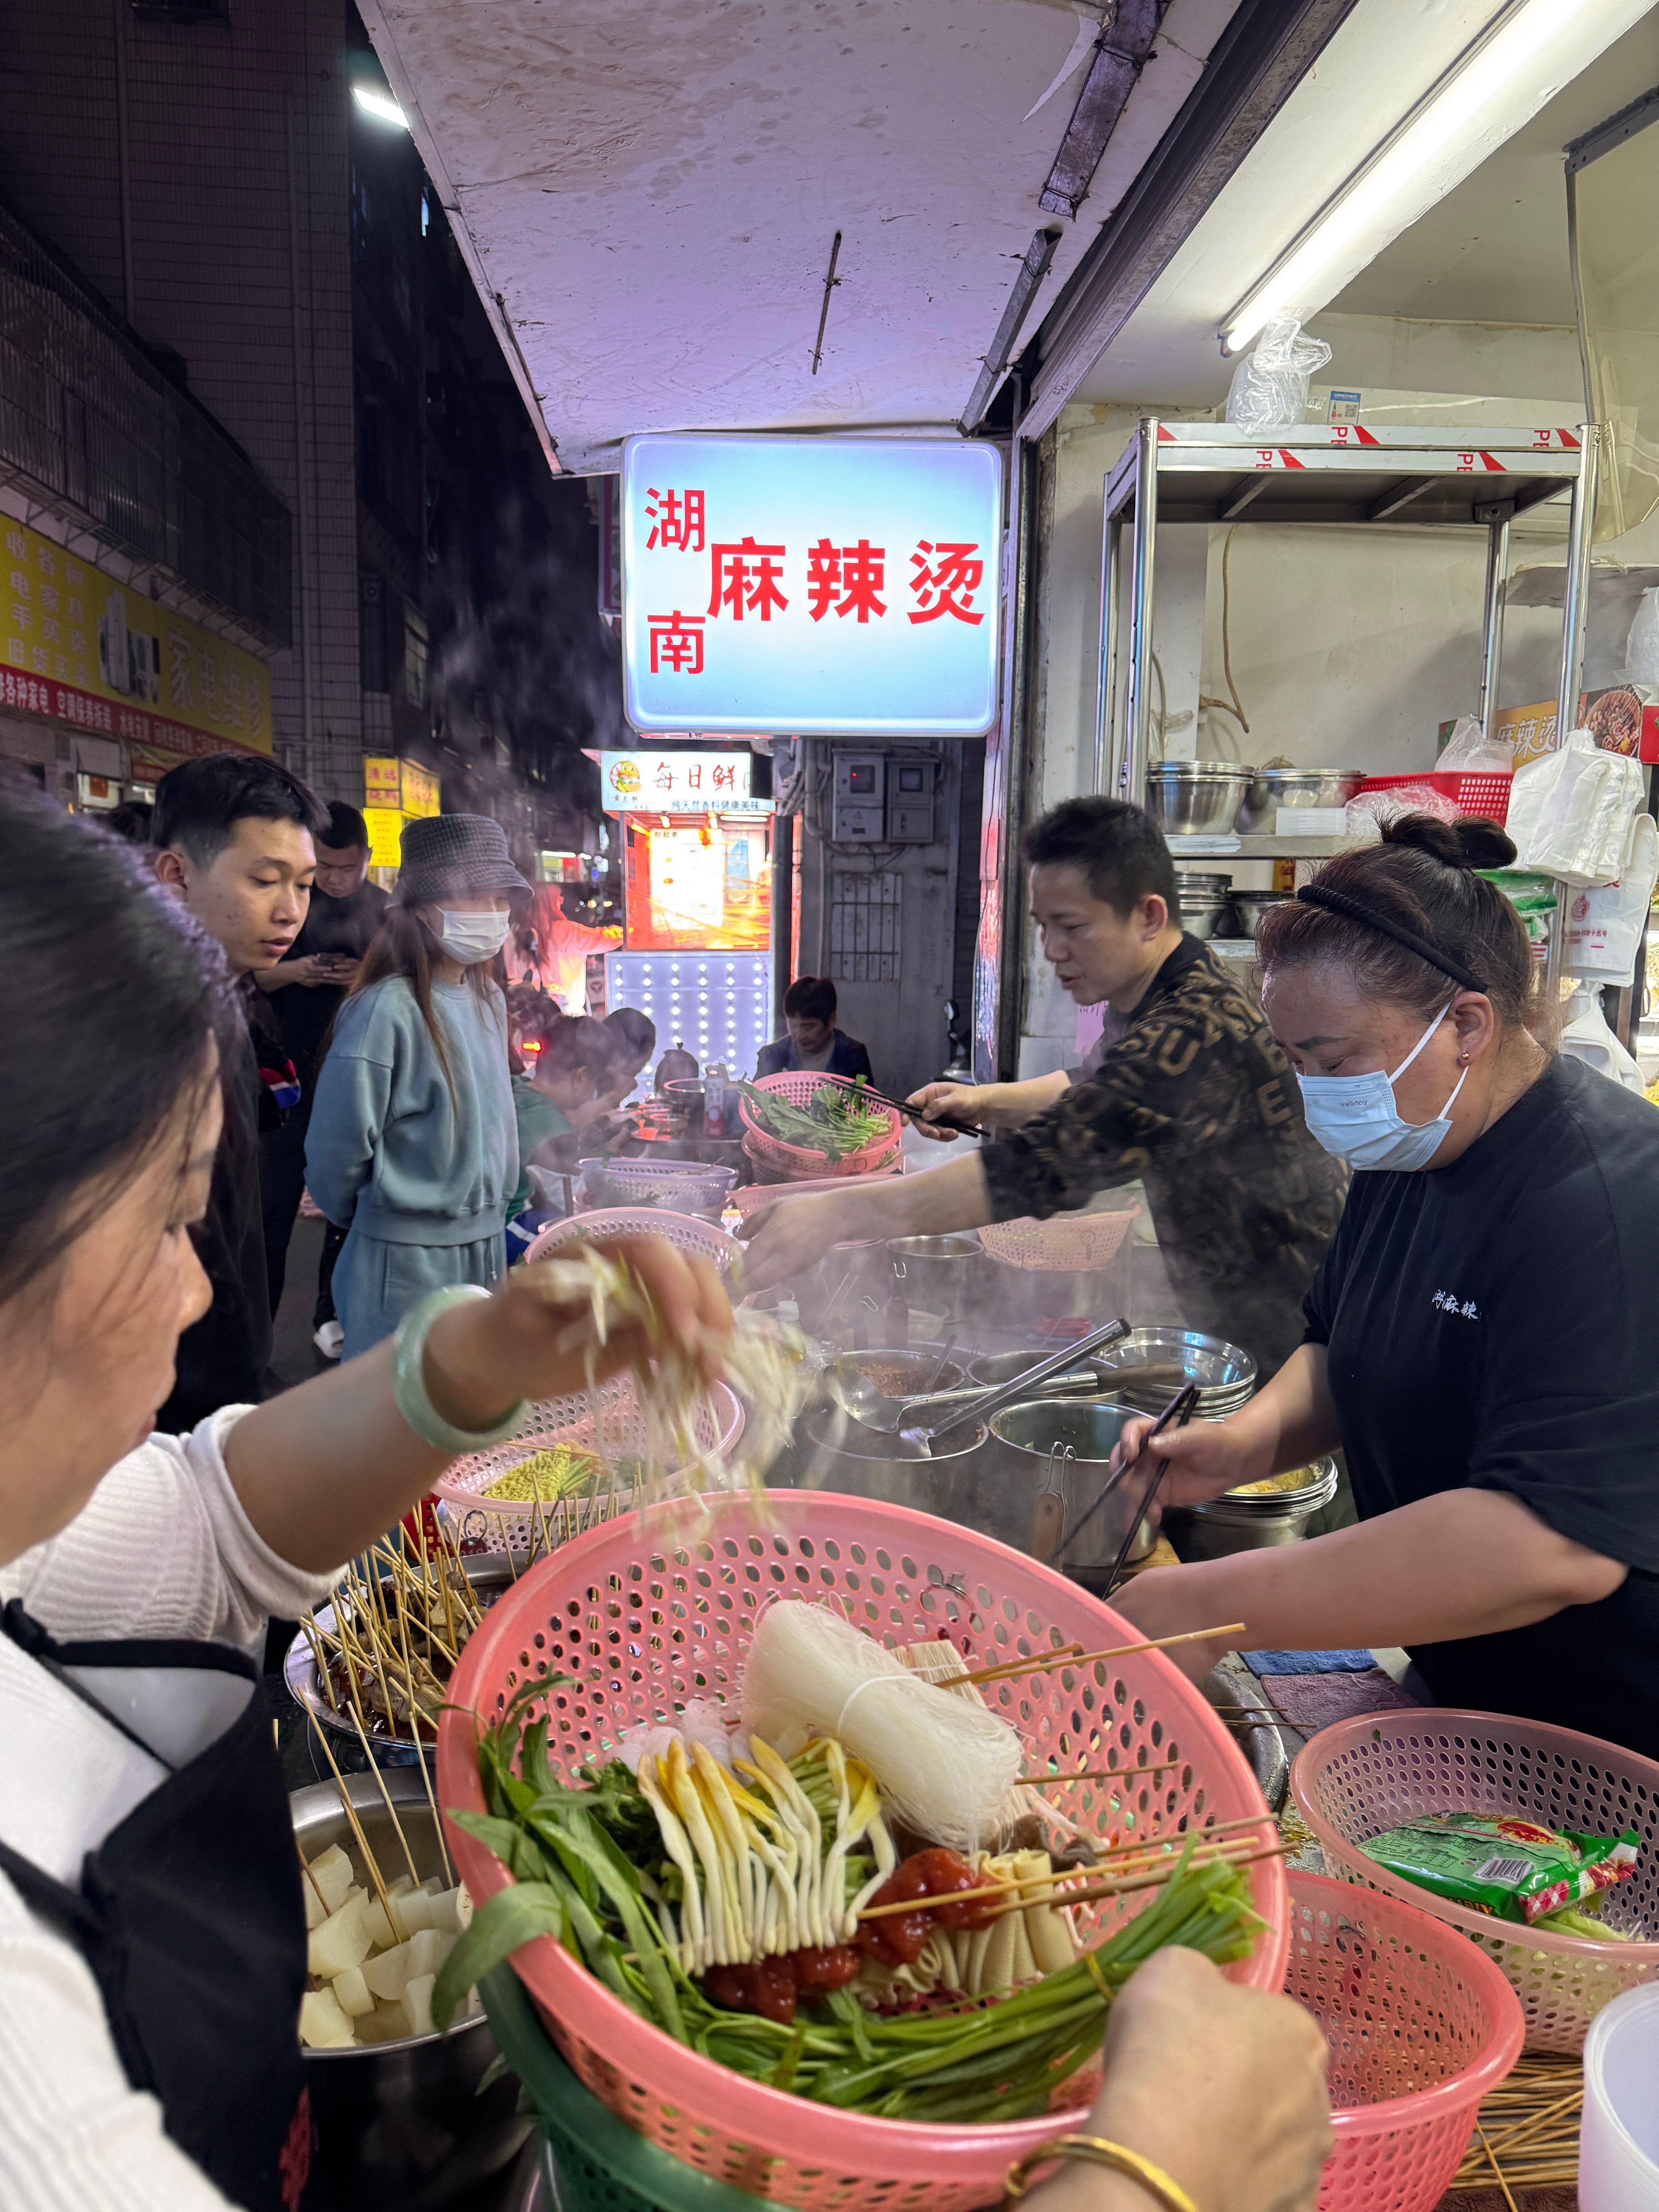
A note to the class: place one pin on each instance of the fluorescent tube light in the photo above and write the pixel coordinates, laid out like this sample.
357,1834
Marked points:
1462,98
379,105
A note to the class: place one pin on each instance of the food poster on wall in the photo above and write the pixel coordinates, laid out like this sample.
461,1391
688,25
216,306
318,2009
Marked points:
698,885
80,647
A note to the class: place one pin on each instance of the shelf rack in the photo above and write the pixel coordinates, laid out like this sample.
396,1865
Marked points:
1325,472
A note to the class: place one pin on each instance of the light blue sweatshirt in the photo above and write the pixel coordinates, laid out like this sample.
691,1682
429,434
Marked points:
391,1157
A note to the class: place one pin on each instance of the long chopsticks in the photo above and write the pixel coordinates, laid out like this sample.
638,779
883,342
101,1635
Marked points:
1074,1655
916,1114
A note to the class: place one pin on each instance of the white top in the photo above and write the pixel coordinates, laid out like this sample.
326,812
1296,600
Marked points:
161,1549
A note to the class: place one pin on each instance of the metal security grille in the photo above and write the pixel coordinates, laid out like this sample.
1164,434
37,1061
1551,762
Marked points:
865,939
86,417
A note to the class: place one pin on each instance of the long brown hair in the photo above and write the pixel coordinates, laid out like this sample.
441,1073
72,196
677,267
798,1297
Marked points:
403,946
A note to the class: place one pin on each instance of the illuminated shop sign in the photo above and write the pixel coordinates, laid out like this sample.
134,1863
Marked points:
678,783
819,586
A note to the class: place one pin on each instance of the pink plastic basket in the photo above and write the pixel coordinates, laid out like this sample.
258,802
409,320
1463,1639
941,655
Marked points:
1363,1775
795,1161
1420,2027
751,1197
1483,792
646,1612
1080,1243
682,1229
611,1426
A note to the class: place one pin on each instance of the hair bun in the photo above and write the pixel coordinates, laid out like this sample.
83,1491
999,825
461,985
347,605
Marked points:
1470,842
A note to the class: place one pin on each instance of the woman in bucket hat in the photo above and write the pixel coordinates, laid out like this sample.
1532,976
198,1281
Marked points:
413,1145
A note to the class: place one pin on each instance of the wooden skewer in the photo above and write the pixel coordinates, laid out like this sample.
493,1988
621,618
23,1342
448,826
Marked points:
1074,1655
350,1812
398,1825
1495,2167
416,1716
1001,1889
1154,1880
314,1638
304,1863
1098,1774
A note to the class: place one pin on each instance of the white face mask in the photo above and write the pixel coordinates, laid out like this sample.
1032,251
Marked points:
1355,1117
471,938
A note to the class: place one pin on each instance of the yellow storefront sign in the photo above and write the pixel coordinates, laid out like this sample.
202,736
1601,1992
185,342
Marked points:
402,784
386,831
77,644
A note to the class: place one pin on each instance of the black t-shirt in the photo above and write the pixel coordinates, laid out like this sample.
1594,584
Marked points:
299,1016
1495,1324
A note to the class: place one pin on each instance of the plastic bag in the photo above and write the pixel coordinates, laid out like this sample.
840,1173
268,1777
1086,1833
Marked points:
1469,748
1605,925
1512,1868
1368,811
1270,385
1585,1036
1571,812
1641,648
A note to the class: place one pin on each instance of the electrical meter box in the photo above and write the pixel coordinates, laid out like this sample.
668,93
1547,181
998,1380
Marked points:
857,816
910,803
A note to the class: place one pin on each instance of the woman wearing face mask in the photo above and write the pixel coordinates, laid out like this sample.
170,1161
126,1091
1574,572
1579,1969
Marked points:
413,1146
1481,1337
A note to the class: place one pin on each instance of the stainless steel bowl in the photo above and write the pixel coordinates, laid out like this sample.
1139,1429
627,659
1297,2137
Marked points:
411,2123
1233,1523
1250,906
842,1454
1205,922
1186,798
1023,1471
1202,883
1148,1366
1270,788
937,1273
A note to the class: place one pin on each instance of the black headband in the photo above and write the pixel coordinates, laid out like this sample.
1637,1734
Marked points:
1354,909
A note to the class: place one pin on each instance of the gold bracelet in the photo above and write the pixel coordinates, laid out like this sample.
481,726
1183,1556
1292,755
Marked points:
1095,2151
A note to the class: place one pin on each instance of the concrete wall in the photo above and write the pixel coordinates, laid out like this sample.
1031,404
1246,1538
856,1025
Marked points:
197,176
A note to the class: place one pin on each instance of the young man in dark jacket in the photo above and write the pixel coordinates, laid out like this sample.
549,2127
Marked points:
233,840
810,1039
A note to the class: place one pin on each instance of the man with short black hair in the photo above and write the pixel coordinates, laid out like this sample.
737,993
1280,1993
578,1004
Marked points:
233,842
1188,1093
303,991
810,1038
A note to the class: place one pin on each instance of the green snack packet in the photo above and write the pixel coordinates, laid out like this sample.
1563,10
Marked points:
1511,1869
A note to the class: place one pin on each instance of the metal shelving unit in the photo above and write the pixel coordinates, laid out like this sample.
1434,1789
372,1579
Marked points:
1318,473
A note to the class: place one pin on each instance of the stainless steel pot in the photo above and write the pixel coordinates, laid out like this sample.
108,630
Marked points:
410,2124
1250,906
842,1454
1186,798
1030,1494
1235,1523
939,1273
1270,788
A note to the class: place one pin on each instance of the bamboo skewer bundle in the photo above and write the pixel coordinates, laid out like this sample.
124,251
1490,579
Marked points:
1528,2135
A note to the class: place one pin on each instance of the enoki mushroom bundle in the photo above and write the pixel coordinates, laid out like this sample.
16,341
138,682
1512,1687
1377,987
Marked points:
944,1764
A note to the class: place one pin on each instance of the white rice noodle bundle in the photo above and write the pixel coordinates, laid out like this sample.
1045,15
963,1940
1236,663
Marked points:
944,1764
938,1662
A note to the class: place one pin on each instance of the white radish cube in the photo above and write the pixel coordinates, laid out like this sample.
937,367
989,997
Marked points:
387,2023
386,1974
447,1911
316,1911
428,1950
323,2024
399,1884
354,1993
332,1870
379,1928
432,1884
417,2004
341,1941
413,1911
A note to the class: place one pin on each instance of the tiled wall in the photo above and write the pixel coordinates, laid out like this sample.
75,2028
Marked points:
198,176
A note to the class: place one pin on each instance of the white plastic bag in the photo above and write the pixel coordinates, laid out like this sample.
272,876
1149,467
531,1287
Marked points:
1270,385
1605,926
1469,748
1586,1036
1571,812
1641,648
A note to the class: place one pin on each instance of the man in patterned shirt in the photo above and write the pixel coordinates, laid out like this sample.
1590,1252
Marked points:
1188,1093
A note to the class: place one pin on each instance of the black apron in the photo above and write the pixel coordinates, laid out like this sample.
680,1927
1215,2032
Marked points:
191,1917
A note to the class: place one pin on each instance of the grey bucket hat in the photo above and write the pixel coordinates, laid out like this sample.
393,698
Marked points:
455,853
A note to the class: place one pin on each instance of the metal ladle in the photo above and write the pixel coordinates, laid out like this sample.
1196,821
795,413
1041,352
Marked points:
934,1413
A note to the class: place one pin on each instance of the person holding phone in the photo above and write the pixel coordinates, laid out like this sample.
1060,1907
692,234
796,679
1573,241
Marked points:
304,992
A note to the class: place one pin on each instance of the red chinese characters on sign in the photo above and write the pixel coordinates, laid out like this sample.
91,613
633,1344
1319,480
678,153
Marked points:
675,643
675,520
745,579
860,571
945,579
